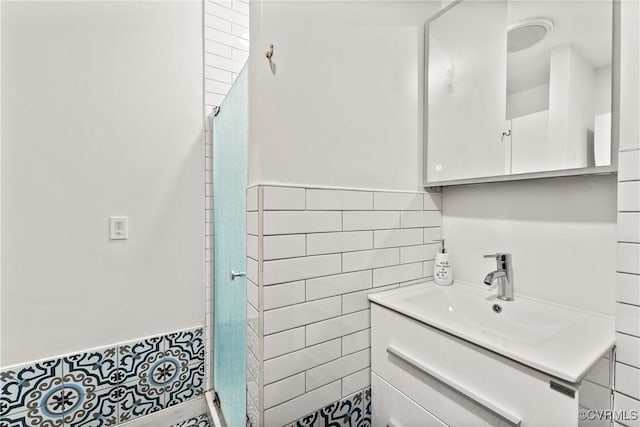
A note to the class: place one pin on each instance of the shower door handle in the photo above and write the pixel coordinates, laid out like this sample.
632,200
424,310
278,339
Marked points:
233,275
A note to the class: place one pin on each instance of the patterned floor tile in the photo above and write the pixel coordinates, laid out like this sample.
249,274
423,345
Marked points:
199,421
187,346
187,385
135,359
24,387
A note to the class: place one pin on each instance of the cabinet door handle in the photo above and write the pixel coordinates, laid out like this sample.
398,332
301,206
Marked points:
496,410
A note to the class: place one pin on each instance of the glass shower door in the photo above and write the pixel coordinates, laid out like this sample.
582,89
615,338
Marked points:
230,135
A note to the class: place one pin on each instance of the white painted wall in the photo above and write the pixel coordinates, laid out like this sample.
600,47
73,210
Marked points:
343,108
561,232
102,116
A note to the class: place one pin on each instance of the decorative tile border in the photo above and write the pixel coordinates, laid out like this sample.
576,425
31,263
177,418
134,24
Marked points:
107,386
25,387
353,411
199,421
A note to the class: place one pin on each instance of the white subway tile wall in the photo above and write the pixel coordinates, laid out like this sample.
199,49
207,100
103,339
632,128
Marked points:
339,200
288,411
208,218
226,45
337,369
255,301
626,405
629,227
284,342
288,246
292,316
331,243
284,390
628,351
294,222
284,198
338,284
627,381
284,366
284,294
356,381
627,377
319,253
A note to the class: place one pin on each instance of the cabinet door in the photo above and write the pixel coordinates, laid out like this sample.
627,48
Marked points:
467,91
460,383
394,409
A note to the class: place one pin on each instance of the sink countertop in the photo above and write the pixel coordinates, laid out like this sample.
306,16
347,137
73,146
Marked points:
561,341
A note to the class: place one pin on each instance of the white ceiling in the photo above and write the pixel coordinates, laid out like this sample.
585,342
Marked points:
587,25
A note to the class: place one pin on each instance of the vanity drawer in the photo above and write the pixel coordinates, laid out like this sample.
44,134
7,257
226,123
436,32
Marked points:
461,383
394,409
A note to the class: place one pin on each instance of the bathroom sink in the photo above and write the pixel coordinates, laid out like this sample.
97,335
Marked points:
561,341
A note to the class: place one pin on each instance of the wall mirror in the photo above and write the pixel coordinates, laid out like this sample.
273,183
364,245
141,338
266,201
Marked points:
519,89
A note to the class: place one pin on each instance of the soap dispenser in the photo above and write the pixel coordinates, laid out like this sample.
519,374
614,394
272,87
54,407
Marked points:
442,269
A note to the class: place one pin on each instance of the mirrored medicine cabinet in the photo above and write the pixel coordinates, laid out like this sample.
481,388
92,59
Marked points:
520,89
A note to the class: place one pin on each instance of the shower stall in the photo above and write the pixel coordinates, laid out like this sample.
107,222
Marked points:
230,138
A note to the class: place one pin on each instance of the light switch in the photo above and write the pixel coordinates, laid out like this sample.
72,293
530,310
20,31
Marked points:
119,227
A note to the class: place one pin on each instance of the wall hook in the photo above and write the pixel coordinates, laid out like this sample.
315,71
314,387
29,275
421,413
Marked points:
269,52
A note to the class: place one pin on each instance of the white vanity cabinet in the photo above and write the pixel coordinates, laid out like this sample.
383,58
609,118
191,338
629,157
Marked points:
422,376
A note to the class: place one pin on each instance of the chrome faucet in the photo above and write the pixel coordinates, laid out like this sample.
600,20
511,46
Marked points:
504,276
